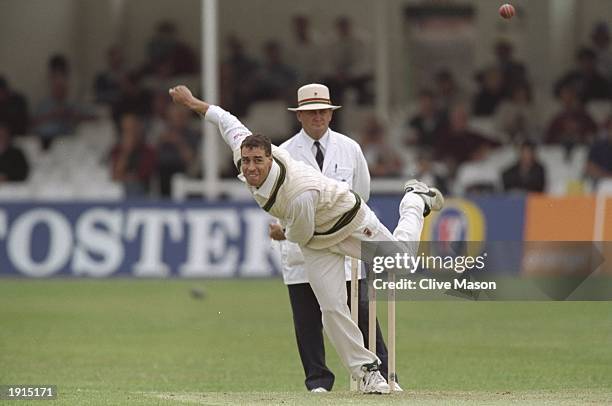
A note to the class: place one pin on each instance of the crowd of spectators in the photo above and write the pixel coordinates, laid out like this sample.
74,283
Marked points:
441,127
342,61
156,140
153,140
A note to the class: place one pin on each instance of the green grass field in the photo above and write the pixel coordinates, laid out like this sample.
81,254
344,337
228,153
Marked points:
150,342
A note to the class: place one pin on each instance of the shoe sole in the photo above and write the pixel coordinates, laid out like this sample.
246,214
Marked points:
438,201
378,392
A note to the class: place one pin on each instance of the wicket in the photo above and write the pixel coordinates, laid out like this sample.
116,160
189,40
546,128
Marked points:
355,269
354,306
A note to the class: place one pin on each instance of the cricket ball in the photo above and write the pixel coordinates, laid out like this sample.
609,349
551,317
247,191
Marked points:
507,11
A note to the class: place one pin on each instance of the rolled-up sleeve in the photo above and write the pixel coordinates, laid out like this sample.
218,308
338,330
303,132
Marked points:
300,222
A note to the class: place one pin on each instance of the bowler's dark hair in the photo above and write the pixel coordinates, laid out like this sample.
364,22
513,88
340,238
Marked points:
257,141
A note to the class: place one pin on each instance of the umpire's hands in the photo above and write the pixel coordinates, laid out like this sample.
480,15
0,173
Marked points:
276,232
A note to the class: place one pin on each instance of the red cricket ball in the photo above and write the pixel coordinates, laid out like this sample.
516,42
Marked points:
507,10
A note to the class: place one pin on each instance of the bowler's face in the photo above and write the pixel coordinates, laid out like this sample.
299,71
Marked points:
255,165
315,122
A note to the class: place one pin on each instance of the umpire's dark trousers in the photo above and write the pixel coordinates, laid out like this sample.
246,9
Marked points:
309,333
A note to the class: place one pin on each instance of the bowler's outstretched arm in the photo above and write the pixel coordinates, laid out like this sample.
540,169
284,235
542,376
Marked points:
232,130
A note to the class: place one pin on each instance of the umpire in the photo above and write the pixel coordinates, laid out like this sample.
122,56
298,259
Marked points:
338,157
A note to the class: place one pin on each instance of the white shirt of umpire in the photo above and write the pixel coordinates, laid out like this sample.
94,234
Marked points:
343,161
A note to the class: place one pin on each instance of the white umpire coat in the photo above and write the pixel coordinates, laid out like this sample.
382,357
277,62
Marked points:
343,161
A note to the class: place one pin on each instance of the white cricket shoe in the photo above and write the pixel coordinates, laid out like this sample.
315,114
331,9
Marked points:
319,390
431,196
373,381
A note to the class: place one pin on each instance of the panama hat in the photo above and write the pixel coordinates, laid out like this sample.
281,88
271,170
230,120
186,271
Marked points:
313,97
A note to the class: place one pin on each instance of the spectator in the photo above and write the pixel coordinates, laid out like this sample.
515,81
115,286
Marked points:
527,175
276,79
350,66
515,117
426,124
458,143
238,77
600,38
165,49
107,85
490,93
305,51
177,148
14,166
58,64
133,160
572,124
13,109
132,99
447,92
162,45
599,164
586,79
513,73
56,115
383,161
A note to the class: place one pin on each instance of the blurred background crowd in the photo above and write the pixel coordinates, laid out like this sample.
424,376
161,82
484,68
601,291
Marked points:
491,136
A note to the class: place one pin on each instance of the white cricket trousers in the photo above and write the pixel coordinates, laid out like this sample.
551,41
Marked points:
325,272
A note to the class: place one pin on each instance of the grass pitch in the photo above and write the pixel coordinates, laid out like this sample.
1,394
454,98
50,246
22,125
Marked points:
231,342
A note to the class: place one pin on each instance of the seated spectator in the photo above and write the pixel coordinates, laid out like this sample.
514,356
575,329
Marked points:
458,143
513,73
238,77
382,160
599,164
573,124
165,48
515,117
13,109
162,44
58,64
350,64
600,37
447,92
427,123
527,175
56,115
305,51
177,148
132,99
588,82
490,93
133,160
107,84
275,79
14,166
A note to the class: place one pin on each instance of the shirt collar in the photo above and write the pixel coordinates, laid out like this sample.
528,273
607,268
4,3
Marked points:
265,190
324,140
